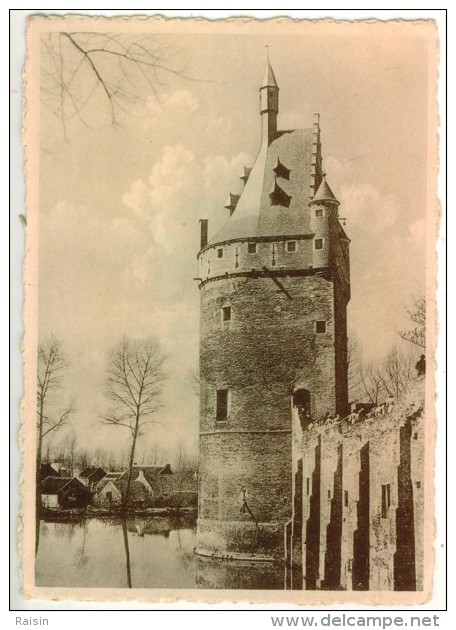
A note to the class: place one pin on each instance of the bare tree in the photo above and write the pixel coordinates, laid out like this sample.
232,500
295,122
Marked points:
51,416
134,384
397,370
417,316
93,76
371,380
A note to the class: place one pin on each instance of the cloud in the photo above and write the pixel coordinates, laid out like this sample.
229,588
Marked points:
171,104
365,203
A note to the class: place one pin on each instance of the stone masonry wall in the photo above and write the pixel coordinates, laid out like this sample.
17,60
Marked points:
370,496
265,352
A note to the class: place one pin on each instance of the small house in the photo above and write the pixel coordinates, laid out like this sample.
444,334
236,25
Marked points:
63,492
107,494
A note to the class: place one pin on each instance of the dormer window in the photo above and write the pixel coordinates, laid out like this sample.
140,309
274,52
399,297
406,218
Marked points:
281,171
220,252
279,197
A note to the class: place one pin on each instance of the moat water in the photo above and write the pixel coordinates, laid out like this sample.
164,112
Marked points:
140,552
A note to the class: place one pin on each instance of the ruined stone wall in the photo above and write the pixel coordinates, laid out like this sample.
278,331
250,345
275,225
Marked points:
363,501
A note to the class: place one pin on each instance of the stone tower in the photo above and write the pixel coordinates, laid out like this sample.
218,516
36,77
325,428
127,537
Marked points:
274,284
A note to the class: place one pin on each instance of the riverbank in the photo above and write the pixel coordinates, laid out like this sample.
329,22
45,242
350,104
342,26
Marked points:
58,514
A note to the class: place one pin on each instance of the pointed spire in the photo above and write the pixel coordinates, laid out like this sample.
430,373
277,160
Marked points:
324,192
269,79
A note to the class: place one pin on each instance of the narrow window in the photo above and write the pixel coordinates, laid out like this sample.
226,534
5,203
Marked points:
307,485
318,243
346,498
418,484
222,405
252,247
329,494
226,313
386,499
319,212
320,326
220,253
291,246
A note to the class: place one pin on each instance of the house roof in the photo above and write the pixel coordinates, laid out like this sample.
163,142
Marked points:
179,482
150,472
48,470
137,490
254,215
54,485
93,473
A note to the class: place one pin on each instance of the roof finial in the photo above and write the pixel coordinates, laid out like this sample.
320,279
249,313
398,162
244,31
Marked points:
267,46
323,175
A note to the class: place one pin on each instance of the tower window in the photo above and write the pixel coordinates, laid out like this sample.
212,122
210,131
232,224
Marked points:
319,212
386,499
252,248
292,246
222,410
226,313
307,485
220,252
318,243
346,498
320,326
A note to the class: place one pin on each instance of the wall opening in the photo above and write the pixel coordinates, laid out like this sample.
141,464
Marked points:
404,558
226,313
386,499
361,536
312,568
301,400
334,531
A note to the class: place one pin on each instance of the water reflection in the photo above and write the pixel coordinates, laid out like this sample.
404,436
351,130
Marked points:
143,553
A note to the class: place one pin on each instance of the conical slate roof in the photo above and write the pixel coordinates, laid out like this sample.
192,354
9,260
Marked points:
324,192
269,79
254,215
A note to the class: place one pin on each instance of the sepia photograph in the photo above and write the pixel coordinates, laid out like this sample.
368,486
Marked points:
230,310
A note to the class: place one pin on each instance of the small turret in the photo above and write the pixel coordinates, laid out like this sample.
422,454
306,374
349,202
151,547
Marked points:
269,105
324,224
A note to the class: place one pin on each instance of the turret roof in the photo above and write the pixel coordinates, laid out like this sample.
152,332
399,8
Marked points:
269,79
324,192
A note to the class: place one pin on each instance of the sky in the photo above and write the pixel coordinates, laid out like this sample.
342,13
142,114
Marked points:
119,205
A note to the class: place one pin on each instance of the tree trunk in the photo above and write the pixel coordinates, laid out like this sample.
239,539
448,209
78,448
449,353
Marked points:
38,477
131,462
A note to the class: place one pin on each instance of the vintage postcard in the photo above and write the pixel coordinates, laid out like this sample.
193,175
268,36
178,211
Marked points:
230,310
